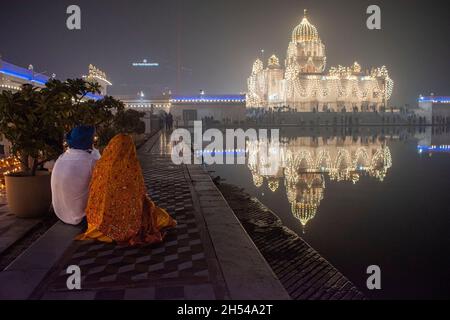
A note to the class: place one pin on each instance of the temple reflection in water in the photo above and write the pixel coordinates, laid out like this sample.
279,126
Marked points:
302,163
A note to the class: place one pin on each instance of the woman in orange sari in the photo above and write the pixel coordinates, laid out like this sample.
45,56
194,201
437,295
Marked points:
119,208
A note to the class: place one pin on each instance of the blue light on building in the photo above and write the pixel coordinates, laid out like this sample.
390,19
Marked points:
11,70
433,148
433,99
22,76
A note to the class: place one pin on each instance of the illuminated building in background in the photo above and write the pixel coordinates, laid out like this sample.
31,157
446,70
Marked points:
187,109
150,106
302,164
435,109
433,140
96,75
304,85
433,148
221,108
12,78
155,104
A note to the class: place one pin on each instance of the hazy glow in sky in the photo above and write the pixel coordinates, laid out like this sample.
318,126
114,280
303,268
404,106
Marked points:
220,39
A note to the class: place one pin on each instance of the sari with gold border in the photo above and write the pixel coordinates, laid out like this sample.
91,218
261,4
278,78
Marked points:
118,207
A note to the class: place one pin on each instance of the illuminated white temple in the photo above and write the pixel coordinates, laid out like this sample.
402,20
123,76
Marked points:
304,85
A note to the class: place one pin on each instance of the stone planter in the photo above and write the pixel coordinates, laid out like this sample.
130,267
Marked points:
28,196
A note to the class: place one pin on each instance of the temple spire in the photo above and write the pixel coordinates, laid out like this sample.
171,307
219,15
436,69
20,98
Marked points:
305,13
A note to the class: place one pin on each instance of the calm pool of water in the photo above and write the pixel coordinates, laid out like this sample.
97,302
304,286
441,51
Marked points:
367,196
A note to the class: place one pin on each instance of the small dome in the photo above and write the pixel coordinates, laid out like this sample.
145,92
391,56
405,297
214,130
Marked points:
305,31
273,62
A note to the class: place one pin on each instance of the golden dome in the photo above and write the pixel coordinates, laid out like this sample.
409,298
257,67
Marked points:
305,31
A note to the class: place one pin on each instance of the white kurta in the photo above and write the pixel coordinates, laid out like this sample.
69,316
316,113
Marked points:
71,176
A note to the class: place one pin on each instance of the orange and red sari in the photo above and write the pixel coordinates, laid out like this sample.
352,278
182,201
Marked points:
118,207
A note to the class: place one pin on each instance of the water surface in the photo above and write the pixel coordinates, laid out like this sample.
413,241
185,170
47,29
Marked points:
360,197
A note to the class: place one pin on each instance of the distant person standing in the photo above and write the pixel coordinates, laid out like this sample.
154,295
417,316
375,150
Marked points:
161,120
164,120
170,121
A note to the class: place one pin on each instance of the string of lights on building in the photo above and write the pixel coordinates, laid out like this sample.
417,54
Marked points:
434,99
304,85
433,148
302,165
208,99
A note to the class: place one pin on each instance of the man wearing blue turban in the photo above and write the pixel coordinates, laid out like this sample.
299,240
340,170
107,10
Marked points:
71,175
81,137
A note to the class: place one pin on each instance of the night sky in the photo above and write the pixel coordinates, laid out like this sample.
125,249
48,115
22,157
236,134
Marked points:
220,39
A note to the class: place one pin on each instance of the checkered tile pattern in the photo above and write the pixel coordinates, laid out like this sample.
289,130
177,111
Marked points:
107,265
179,261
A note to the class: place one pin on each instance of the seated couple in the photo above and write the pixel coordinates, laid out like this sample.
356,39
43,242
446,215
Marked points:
114,199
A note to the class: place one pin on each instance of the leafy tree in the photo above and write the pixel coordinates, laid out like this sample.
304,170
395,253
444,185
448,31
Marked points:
79,106
31,120
129,121
34,120
124,121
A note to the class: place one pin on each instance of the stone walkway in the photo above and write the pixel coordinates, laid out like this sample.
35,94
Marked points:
208,256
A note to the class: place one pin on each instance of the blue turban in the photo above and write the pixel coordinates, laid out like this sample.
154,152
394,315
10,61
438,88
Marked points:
81,137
